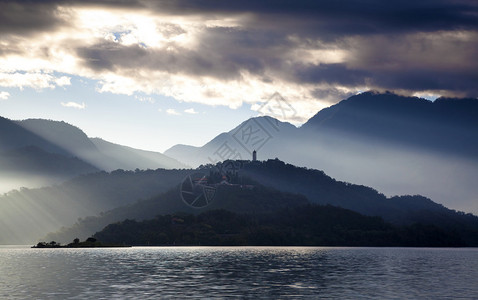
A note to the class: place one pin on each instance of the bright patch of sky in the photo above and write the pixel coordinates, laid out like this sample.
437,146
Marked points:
150,122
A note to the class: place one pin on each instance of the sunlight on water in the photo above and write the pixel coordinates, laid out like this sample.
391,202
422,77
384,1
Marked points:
265,272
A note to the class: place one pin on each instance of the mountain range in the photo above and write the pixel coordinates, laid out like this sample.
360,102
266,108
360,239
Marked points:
443,126
37,152
395,144
270,186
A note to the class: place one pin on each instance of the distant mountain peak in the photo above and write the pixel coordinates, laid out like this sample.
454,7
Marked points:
442,125
271,120
386,98
44,143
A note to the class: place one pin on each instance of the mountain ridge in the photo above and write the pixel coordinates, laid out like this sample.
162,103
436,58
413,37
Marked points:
287,186
405,120
27,214
238,143
56,151
396,144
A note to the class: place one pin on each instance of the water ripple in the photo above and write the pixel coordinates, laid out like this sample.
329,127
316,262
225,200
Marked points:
242,272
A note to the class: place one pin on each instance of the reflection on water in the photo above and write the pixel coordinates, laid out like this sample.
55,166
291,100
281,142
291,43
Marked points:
246,272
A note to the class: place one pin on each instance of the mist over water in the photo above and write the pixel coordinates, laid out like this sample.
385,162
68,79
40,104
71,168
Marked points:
252,272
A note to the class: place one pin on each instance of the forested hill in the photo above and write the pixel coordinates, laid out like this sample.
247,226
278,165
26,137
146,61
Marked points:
307,225
322,189
258,199
278,185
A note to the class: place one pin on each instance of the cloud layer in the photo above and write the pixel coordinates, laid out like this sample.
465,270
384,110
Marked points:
313,53
72,104
4,95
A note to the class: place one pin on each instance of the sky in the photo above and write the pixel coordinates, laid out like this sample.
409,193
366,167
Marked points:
152,74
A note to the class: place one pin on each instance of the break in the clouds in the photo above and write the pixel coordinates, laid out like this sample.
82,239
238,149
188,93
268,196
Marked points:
313,53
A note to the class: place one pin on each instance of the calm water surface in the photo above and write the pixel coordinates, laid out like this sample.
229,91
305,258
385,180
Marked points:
231,272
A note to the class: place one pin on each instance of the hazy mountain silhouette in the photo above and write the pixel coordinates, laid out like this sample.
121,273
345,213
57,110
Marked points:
14,136
395,144
444,125
264,134
279,185
305,225
102,154
35,161
28,214
123,157
28,159
32,166
399,145
68,137
37,152
399,210
232,198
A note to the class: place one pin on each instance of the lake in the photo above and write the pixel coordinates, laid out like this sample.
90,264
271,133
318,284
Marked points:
238,272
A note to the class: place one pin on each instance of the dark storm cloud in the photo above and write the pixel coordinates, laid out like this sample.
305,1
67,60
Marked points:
340,17
328,17
117,58
221,53
392,45
457,83
435,61
24,17
331,94
406,45
331,74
